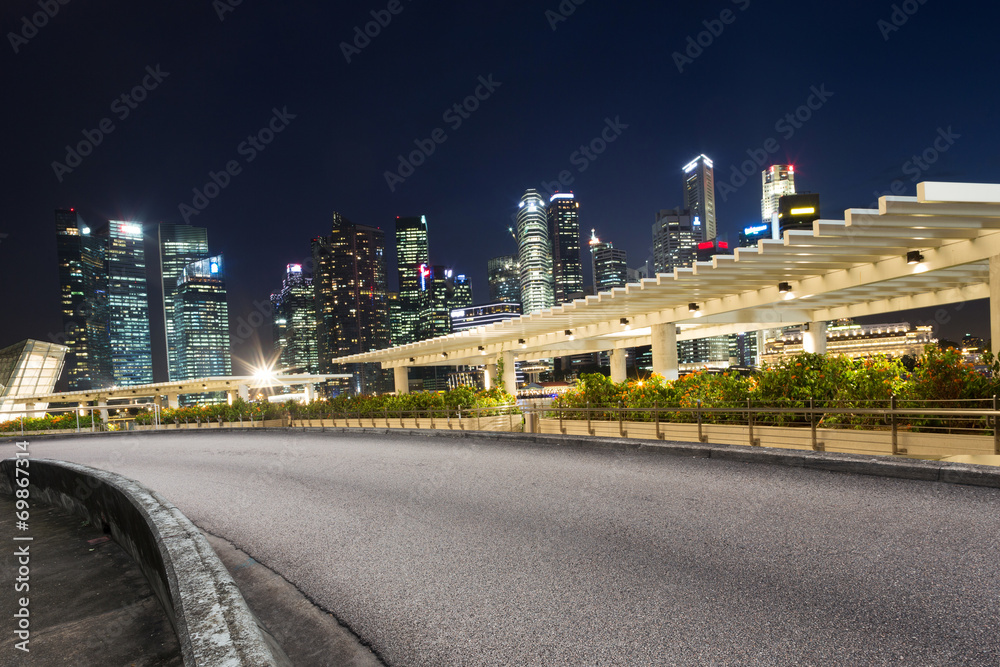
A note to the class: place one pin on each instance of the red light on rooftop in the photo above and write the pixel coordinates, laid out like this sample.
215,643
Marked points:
724,244
705,245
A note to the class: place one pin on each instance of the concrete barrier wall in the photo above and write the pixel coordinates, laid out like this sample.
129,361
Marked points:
213,623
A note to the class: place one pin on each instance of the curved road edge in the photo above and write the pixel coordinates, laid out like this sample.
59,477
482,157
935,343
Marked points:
213,623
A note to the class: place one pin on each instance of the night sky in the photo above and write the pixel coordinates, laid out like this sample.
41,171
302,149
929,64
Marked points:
890,83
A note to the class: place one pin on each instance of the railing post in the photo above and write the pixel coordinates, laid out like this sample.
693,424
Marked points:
621,428
78,415
996,426
817,446
701,436
892,420
656,418
589,430
754,442
562,429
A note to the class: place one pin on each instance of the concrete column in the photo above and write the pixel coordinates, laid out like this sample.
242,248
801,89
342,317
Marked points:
814,340
618,373
664,340
230,397
244,391
310,392
761,336
488,376
509,373
172,401
401,374
158,401
995,303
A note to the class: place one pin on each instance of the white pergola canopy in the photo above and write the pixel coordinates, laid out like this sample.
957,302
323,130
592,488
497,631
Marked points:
842,268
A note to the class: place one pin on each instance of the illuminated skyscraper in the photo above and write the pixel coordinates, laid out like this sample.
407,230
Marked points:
352,307
534,254
777,181
411,254
504,279
610,265
83,284
442,292
294,313
564,231
699,194
676,236
180,245
128,305
201,321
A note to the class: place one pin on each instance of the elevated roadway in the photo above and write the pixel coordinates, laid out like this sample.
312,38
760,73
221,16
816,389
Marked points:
444,551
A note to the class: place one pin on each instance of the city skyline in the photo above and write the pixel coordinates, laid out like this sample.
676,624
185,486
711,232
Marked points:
261,158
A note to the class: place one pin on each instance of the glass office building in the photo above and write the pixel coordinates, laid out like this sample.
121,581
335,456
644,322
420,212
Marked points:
180,245
201,321
294,333
128,305
534,254
564,231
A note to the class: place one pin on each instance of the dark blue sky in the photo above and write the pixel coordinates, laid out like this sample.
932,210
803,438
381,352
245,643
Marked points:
889,93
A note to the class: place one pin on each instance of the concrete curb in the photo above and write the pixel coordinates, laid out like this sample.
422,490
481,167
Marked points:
859,464
213,623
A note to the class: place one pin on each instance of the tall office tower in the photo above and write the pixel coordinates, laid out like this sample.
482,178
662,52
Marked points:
352,308
395,318
294,313
83,285
798,212
699,194
505,279
128,305
201,321
564,230
180,245
411,254
442,292
534,254
676,235
610,264
777,181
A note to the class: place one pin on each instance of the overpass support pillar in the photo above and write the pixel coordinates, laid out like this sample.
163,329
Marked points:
172,401
401,375
310,392
244,391
814,340
489,376
618,372
995,303
664,340
509,373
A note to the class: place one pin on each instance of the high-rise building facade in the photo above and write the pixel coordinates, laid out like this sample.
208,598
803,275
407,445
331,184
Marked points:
180,245
480,316
564,231
798,211
201,321
352,307
505,279
442,292
128,304
293,308
610,265
411,255
699,194
83,285
534,254
777,181
676,235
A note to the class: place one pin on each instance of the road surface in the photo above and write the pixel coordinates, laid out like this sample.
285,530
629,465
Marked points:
474,552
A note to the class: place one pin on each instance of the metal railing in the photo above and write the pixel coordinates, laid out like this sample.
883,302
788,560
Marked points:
97,418
953,417
438,417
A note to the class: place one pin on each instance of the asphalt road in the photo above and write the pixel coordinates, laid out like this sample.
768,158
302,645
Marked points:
466,552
